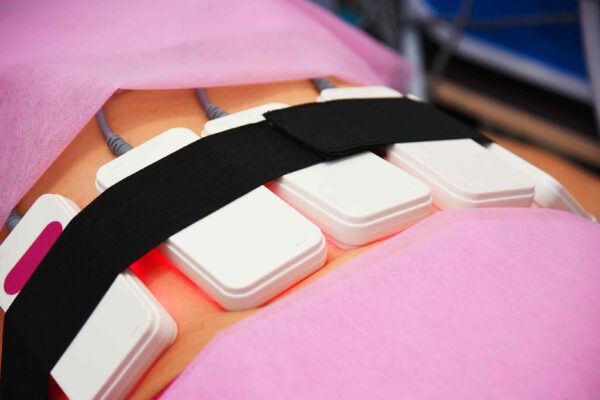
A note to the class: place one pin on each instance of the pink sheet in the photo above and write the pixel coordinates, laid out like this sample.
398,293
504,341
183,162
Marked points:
507,306
61,60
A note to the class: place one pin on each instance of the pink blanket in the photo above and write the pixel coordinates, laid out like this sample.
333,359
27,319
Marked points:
469,304
60,60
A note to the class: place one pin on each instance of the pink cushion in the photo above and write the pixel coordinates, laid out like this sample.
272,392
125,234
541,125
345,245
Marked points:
490,303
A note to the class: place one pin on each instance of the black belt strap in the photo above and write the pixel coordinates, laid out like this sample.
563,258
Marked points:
337,128
140,212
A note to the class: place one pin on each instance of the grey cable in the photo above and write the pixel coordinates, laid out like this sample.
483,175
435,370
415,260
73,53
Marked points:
443,55
323,83
114,142
212,110
13,219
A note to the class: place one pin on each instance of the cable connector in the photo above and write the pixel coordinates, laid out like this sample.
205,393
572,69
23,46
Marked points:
323,83
114,142
212,110
13,219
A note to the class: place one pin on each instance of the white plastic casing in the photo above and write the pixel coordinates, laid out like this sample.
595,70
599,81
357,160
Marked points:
248,251
242,254
357,92
463,174
140,157
355,200
126,332
235,120
549,193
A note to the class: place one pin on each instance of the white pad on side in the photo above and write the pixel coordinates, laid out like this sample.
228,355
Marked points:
463,174
124,335
357,92
235,120
549,193
25,247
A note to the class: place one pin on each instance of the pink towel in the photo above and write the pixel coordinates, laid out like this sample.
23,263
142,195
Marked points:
60,60
468,304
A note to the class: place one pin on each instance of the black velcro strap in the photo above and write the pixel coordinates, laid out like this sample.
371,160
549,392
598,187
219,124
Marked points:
338,127
140,212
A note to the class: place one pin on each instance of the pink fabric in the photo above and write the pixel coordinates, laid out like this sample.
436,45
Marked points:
60,60
507,306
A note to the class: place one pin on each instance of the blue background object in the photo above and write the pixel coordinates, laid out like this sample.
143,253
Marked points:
559,46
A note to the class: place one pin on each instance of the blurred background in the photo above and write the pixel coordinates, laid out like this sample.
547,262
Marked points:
524,71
